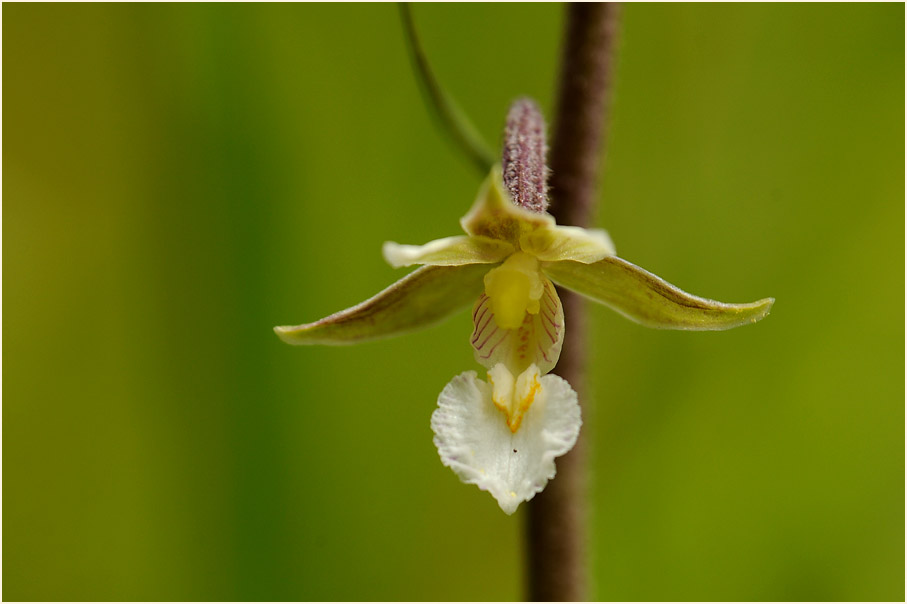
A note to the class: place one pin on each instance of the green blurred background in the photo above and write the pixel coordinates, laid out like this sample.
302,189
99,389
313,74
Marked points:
180,178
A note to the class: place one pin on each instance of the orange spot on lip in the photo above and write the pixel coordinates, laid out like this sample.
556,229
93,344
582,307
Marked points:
514,420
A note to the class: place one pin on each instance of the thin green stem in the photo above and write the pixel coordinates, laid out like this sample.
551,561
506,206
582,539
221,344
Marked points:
450,118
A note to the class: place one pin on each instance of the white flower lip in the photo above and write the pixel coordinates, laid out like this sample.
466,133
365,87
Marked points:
474,440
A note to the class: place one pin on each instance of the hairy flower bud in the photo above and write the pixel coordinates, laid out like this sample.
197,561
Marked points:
523,163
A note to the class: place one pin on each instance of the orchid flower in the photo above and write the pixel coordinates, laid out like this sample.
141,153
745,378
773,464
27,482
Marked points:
503,433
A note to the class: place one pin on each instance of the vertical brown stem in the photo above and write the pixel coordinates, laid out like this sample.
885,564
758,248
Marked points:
557,516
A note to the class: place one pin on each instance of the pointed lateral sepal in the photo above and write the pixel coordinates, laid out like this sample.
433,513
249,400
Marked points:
422,298
647,299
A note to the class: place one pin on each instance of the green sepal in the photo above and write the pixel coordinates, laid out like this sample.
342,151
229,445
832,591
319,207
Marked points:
647,299
422,298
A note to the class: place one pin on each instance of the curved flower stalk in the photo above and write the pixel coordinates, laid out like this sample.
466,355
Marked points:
504,433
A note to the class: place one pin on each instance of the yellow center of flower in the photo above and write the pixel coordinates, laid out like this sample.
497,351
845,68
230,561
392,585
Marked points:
514,288
512,396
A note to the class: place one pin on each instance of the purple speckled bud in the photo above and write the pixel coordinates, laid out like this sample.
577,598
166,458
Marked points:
525,171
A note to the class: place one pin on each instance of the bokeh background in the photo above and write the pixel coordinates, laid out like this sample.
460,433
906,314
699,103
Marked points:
180,178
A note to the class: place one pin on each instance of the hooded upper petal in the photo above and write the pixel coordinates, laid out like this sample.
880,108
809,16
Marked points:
494,214
538,338
475,441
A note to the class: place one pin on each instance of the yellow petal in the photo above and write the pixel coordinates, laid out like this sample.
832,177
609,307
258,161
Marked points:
450,251
553,243
514,288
